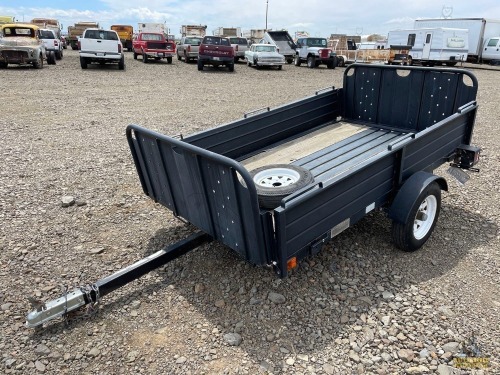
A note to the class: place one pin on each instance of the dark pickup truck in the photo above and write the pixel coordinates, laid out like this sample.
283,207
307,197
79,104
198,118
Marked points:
216,51
275,186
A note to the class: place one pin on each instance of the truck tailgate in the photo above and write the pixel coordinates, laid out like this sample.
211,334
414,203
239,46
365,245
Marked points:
98,45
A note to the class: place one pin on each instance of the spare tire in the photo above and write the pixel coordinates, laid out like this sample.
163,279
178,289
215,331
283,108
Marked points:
276,181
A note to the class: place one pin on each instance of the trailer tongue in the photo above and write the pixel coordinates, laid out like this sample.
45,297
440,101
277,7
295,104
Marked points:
372,144
89,295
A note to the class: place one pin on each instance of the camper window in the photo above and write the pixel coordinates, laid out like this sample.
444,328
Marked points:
411,39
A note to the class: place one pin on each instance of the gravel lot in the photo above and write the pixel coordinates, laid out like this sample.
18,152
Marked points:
360,306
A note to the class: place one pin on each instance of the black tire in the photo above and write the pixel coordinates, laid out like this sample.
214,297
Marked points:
3,65
51,58
311,62
200,65
231,67
121,63
59,55
340,61
411,236
186,58
297,60
144,58
249,63
169,60
280,67
135,56
289,60
451,63
83,63
276,181
38,64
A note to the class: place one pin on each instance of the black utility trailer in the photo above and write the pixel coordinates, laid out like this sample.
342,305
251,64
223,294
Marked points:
277,184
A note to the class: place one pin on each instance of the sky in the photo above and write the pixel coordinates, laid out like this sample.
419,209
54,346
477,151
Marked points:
317,17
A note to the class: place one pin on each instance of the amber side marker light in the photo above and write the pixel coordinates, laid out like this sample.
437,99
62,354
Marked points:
292,263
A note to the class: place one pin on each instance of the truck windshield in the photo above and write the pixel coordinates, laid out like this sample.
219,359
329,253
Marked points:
316,42
156,37
46,34
265,49
193,41
240,41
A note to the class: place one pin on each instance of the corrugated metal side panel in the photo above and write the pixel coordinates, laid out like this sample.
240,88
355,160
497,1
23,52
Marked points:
409,98
257,132
203,188
432,147
304,220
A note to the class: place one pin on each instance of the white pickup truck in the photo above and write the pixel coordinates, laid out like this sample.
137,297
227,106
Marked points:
101,46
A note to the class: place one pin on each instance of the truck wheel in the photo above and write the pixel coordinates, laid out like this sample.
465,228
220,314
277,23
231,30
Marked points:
330,65
3,65
169,60
135,56
59,55
51,58
121,63
311,62
186,58
340,61
200,65
289,60
231,67
83,63
38,64
144,58
297,60
276,181
424,213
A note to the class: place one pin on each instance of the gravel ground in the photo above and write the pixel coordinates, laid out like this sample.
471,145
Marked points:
360,306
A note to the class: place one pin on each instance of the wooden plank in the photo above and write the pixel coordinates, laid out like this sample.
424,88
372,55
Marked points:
288,152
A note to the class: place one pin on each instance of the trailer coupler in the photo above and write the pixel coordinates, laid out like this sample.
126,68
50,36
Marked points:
82,296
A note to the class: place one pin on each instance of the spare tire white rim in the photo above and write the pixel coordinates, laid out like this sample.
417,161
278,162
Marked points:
276,177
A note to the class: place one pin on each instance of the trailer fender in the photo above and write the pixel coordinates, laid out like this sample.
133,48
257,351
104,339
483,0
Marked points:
409,192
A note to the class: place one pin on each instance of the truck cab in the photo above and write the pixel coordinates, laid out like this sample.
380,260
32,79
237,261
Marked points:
491,50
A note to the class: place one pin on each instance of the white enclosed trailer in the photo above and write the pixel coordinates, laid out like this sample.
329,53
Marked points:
480,29
433,46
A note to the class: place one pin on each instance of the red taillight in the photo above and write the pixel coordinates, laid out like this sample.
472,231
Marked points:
79,45
119,48
55,43
189,49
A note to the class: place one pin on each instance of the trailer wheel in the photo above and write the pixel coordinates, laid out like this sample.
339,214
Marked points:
275,182
424,213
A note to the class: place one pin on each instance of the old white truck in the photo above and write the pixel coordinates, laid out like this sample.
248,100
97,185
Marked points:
101,46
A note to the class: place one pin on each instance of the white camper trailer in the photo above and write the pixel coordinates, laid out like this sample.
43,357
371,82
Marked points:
480,30
433,45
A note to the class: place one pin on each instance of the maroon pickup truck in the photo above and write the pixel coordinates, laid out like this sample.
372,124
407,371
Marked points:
215,51
153,45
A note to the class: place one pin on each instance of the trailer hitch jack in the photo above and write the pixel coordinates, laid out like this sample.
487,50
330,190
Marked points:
81,296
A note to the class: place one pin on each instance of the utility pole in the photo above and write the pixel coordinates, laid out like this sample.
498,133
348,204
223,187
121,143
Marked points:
267,5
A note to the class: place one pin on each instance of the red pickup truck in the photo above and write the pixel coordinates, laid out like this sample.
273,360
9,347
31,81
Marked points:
153,45
215,51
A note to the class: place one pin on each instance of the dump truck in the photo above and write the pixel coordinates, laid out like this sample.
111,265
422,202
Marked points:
276,185
48,23
283,41
126,34
76,31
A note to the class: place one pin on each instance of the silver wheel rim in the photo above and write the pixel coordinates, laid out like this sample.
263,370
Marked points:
276,177
424,218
